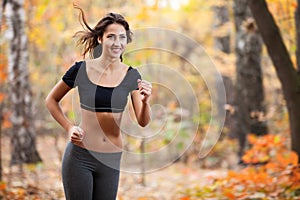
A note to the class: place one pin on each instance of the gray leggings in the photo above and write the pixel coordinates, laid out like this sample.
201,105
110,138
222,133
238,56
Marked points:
89,175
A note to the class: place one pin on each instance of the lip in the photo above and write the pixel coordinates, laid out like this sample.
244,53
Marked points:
116,50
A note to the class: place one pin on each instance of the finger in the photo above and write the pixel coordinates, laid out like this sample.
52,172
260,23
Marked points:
145,83
148,89
145,92
76,139
76,134
139,81
75,142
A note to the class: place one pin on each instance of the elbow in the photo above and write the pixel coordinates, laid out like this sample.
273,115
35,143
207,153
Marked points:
144,123
49,102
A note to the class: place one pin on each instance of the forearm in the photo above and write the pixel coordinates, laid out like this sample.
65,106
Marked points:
145,115
57,113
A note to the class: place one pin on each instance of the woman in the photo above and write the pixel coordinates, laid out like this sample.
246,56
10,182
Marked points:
90,167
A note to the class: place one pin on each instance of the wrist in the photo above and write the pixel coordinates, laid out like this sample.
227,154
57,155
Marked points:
68,127
146,103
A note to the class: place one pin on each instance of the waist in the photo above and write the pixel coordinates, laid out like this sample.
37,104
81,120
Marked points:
101,143
116,154
111,159
102,131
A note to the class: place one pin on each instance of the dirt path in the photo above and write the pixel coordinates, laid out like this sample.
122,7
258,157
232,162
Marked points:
43,181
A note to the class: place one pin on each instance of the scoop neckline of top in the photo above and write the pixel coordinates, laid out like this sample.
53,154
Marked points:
102,86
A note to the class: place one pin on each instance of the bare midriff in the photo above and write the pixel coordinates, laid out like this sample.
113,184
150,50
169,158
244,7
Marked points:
101,131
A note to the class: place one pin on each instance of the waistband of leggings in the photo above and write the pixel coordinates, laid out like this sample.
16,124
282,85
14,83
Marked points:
83,150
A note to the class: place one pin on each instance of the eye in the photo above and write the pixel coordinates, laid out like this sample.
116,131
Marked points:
123,37
111,36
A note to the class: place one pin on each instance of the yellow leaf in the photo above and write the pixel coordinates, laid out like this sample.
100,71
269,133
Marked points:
277,139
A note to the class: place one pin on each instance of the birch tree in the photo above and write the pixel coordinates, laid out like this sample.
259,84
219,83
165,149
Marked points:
23,135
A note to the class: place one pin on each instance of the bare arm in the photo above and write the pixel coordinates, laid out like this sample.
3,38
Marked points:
140,101
52,103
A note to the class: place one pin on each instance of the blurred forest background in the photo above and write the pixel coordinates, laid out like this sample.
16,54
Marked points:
256,156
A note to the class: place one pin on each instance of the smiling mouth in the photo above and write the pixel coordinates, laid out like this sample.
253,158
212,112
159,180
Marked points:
116,50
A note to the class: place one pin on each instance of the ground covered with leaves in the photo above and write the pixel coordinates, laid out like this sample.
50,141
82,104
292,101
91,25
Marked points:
43,181
270,172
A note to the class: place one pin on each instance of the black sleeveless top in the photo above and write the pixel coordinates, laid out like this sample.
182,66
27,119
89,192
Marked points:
99,98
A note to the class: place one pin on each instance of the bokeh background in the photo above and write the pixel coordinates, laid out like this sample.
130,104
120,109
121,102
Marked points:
248,156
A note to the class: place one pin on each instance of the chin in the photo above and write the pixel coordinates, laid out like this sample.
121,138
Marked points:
115,55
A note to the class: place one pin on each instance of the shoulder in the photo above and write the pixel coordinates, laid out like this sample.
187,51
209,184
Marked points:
133,70
71,74
75,67
78,64
134,73
132,77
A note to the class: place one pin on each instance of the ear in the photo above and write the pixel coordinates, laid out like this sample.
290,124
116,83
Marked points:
99,40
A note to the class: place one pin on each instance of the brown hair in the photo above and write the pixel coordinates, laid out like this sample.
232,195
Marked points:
89,36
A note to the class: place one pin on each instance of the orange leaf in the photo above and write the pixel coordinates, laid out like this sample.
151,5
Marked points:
2,96
143,198
2,186
294,158
287,158
252,138
185,198
6,123
230,195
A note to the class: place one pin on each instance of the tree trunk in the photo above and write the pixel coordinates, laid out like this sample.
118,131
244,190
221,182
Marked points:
1,120
222,37
23,143
286,72
297,20
222,43
249,84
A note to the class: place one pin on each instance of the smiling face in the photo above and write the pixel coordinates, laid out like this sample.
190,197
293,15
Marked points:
114,41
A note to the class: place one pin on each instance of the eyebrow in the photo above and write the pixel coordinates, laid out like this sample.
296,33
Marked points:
116,34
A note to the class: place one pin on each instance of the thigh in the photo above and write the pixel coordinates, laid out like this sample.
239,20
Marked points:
106,184
106,178
76,175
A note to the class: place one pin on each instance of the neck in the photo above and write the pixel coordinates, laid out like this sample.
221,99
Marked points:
109,62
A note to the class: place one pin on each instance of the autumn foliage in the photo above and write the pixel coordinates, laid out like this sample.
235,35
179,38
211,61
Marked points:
272,172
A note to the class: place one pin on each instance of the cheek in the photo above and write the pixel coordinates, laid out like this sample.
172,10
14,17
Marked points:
107,44
124,43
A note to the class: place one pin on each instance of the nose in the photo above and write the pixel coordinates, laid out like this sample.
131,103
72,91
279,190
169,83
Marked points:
117,41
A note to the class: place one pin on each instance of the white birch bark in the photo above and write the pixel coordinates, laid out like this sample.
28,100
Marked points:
23,147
